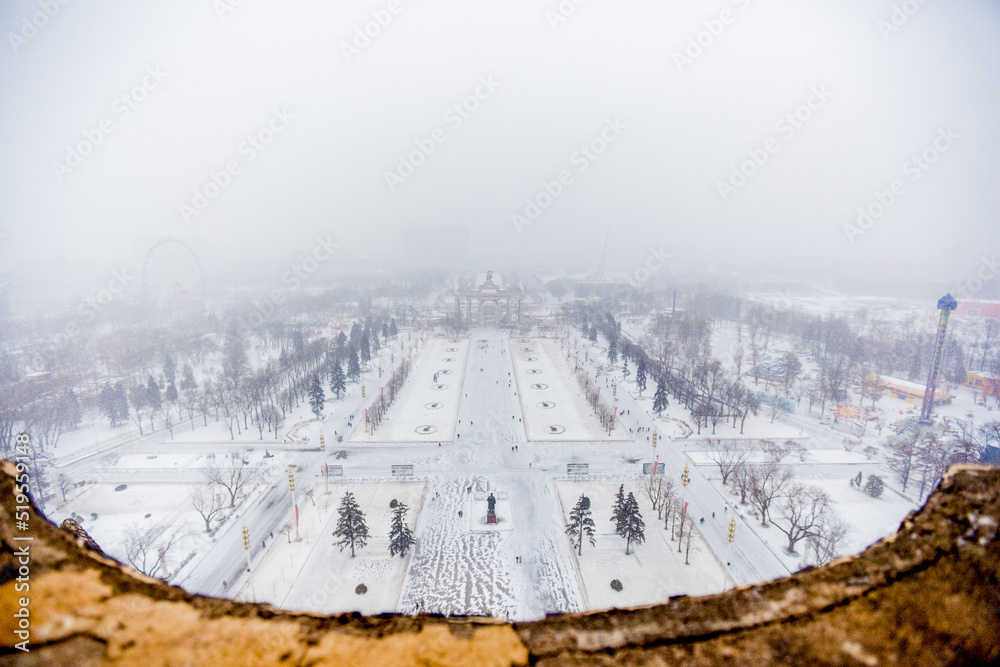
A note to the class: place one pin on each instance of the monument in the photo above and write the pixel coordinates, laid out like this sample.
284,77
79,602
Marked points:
491,304
491,509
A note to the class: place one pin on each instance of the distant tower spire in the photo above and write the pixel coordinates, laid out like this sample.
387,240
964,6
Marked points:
945,304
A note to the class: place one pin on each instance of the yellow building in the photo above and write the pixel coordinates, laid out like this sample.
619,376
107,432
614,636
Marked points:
987,383
913,392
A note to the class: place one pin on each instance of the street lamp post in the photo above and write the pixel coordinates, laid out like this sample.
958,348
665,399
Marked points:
731,537
685,480
656,457
246,548
295,506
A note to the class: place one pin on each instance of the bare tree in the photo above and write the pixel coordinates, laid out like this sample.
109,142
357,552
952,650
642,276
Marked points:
737,361
209,501
655,488
741,482
872,386
900,460
690,529
747,402
802,512
777,452
767,481
669,504
233,474
64,485
146,552
728,455
932,459
830,540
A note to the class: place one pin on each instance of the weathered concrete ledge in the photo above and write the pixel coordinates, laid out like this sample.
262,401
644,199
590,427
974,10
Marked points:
927,595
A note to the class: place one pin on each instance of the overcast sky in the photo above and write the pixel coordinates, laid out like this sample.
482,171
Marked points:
199,77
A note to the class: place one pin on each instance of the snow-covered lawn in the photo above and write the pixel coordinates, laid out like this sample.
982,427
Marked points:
654,570
426,409
869,519
552,404
314,575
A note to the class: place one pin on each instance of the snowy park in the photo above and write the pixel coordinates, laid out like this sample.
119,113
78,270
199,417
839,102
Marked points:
478,472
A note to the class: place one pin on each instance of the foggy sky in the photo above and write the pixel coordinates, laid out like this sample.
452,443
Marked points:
345,120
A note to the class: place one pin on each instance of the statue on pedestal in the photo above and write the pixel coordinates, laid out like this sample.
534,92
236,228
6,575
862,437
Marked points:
491,509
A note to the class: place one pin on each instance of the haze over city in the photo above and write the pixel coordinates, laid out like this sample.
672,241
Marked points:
688,115
498,309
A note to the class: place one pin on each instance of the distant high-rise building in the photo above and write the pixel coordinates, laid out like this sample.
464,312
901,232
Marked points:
435,246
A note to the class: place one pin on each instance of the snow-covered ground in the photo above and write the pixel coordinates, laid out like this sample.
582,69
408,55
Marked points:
654,570
315,575
552,402
427,407
494,440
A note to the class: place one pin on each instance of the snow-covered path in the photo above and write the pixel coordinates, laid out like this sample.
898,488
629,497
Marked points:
459,568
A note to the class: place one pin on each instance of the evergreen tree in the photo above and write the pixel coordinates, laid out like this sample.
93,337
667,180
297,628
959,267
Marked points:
351,528
153,392
353,366
874,486
592,336
660,402
108,404
169,369
385,331
341,341
400,535
338,384
171,394
70,409
121,402
298,340
393,329
584,329
190,388
617,512
316,396
640,375
140,402
580,524
625,371
365,345
612,352
632,527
